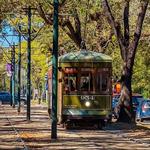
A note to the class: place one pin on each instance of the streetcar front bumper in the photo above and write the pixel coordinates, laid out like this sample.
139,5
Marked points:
84,114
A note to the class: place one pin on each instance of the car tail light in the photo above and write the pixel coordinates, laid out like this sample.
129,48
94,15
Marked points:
145,107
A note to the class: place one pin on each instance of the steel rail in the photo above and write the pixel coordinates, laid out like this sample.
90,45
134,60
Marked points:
15,130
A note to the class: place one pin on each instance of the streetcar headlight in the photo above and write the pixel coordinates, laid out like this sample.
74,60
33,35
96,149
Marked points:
87,104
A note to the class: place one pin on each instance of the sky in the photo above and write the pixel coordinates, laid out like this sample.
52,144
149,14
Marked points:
9,37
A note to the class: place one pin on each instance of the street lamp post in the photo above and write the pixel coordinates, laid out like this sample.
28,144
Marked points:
54,71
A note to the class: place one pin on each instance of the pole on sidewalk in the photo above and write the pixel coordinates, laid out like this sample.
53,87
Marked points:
54,71
13,76
29,65
19,70
11,87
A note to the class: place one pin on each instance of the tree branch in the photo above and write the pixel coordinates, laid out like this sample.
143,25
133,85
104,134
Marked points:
62,3
74,35
78,37
126,23
74,31
137,33
77,23
96,16
41,12
68,24
116,26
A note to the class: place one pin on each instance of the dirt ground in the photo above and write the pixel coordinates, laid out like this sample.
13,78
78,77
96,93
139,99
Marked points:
16,133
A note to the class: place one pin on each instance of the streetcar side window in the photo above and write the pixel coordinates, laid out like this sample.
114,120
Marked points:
66,85
70,80
99,82
70,83
102,80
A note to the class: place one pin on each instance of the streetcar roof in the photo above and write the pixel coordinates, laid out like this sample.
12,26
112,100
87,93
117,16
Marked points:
84,56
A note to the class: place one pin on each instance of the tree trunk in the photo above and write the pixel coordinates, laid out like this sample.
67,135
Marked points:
128,50
125,102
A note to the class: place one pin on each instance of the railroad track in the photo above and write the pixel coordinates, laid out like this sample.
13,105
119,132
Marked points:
19,139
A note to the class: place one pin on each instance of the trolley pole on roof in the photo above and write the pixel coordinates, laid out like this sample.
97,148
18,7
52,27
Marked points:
29,65
54,71
19,69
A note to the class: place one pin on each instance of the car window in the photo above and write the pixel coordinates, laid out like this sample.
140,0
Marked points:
4,93
139,100
116,96
146,104
115,99
136,100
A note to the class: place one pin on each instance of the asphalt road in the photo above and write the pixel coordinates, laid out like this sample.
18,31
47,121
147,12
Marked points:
17,133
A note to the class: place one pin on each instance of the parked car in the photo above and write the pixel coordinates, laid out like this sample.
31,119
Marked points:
5,97
114,102
114,105
143,110
136,99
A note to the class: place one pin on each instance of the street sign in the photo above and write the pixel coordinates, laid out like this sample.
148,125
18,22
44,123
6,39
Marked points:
9,69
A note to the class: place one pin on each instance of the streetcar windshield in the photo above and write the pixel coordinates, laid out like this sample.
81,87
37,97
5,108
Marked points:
86,80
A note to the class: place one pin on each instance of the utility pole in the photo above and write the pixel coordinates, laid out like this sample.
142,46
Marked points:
29,65
54,71
13,76
19,69
11,86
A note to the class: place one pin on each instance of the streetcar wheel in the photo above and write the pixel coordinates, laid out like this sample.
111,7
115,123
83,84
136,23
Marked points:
141,120
99,125
67,125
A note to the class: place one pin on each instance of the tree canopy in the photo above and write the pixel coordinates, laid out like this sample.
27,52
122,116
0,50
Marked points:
83,20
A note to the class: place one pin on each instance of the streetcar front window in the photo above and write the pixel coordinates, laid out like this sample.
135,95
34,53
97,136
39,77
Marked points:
86,80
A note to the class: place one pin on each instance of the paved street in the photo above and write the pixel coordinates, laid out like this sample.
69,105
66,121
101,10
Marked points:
16,133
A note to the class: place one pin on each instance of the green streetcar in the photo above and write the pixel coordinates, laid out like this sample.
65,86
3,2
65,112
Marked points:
84,88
